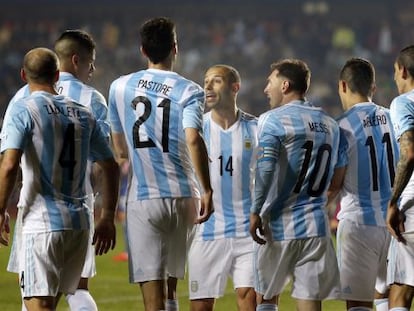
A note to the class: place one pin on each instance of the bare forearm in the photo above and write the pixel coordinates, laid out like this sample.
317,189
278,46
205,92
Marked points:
199,157
109,187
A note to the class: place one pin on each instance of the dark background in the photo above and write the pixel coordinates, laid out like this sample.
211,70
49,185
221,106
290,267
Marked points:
248,35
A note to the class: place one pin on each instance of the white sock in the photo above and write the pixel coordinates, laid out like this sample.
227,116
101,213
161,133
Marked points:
399,309
266,307
359,309
381,304
172,305
23,305
81,300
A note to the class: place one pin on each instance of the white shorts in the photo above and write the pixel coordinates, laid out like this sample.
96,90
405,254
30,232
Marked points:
52,262
89,267
400,256
401,261
210,263
311,263
158,232
362,259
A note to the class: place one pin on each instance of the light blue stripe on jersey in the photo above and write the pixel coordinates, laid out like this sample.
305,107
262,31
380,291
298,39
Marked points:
247,170
373,154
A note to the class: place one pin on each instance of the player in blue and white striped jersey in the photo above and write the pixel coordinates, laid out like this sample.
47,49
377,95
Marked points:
54,136
156,119
76,52
400,212
230,135
298,152
365,187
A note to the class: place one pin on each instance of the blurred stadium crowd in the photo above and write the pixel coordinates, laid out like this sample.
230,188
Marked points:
248,35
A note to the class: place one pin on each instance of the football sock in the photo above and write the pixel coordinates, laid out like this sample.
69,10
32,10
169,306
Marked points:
266,307
172,305
381,304
81,300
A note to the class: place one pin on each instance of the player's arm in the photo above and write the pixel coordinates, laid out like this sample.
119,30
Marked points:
405,167
336,184
105,234
9,167
120,146
199,158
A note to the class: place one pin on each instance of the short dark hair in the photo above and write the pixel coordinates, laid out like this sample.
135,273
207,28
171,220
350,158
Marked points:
232,73
296,71
158,38
74,41
406,59
359,74
40,65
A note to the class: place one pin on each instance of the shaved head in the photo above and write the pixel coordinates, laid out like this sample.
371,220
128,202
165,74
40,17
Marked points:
40,66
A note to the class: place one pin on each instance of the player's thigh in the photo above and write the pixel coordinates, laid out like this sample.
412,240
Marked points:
401,261
209,265
316,274
273,264
362,262
242,262
51,262
178,239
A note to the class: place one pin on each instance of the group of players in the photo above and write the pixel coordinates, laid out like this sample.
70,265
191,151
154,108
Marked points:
234,195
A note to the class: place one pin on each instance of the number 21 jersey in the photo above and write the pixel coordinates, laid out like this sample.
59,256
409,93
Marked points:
153,108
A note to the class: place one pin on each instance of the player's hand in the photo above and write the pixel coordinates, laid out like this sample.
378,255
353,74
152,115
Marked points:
206,208
257,226
4,228
395,222
104,237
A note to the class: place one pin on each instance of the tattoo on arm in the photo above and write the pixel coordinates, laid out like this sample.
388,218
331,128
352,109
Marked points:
405,165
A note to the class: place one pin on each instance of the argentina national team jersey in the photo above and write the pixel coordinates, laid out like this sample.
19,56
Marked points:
373,154
153,107
57,137
299,143
232,154
69,85
402,117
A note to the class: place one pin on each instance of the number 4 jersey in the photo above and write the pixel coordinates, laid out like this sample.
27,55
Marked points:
298,146
152,108
373,154
57,137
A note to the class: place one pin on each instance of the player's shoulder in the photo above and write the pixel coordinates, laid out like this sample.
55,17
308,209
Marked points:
245,116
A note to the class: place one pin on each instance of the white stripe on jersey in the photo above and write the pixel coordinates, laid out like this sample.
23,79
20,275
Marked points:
232,153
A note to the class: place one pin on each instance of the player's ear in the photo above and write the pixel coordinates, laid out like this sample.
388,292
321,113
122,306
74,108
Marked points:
56,78
75,59
235,87
23,75
142,50
342,87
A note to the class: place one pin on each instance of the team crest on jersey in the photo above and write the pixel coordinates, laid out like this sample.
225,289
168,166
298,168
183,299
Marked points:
194,286
247,143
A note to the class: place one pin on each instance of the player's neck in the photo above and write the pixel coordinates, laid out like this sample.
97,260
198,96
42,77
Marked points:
166,65
225,118
34,87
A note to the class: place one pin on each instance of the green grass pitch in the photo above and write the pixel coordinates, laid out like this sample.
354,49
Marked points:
112,291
